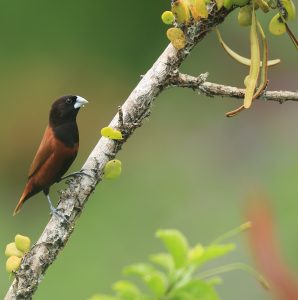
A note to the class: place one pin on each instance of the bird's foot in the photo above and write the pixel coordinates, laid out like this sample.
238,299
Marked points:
55,212
75,174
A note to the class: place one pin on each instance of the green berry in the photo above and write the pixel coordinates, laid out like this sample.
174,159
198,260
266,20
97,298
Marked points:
168,17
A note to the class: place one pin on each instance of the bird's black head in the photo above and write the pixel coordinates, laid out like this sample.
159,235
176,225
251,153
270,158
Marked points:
65,109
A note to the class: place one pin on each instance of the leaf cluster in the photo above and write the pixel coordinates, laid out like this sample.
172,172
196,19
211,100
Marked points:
177,273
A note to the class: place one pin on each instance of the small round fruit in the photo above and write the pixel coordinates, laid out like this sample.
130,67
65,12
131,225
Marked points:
168,17
13,263
22,243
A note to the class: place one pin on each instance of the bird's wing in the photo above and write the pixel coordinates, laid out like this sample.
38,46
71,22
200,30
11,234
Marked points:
43,153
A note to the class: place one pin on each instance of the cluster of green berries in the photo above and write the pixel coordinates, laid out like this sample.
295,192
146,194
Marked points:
182,13
15,252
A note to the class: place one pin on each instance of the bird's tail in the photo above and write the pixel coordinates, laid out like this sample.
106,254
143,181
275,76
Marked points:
19,205
26,195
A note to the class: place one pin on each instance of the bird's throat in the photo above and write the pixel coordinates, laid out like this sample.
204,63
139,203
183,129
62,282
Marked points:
67,133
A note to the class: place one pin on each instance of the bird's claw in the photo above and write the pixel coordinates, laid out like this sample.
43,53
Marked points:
75,174
55,212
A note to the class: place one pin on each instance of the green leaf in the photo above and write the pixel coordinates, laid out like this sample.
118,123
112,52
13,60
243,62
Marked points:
127,290
140,269
112,169
164,260
212,252
111,133
154,279
176,244
195,253
194,290
216,280
156,282
102,297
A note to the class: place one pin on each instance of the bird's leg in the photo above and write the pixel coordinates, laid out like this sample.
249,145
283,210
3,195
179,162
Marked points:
54,211
79,173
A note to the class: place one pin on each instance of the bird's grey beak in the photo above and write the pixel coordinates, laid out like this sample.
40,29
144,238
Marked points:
80,102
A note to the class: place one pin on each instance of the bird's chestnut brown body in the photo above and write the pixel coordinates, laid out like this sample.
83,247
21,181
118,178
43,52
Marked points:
57,151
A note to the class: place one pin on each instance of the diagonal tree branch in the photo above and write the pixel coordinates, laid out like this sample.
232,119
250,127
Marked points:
213,89
72,200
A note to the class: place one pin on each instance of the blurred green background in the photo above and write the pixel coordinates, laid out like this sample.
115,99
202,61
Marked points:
189,167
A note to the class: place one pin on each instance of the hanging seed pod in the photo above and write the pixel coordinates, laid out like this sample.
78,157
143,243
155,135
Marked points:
242,60
255,63
263,5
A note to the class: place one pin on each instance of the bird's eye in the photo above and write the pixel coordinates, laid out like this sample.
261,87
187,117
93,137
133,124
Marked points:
68,100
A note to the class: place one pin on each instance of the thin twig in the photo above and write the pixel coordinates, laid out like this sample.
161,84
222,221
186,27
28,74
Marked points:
214,89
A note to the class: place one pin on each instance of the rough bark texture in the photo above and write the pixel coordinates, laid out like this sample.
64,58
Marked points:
135,109
213,89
